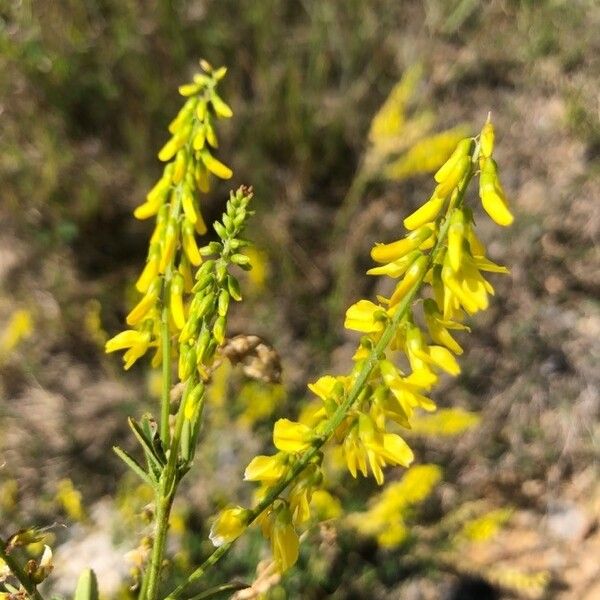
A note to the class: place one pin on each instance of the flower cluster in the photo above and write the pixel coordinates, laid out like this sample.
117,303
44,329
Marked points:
361,411
204,329
175,203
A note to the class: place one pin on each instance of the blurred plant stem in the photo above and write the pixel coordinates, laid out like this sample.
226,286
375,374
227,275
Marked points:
19,573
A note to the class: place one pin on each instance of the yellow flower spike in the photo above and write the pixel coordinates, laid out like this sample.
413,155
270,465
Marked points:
188,204
426,213
268,469
143,307
216,167
438,332
364,316
492,195
229,525
456,235
149,273
176,301
413,275
180,167
463,148
487,139
291,437
284,541
386,253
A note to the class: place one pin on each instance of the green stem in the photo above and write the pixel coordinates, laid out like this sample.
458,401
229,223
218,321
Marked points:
164,501
18,572
336,418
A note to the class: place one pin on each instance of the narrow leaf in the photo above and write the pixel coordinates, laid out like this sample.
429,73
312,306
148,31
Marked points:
145,442
134,465
87,586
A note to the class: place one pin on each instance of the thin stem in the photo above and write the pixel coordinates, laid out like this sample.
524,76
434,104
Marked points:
336,418
164,491
18,572
164,501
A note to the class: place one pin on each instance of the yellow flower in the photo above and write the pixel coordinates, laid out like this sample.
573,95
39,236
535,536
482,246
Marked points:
284,541
456,235
291,437
268,469
136,343
487,139
325,505
366,444
408,390
176,301
385,253
229,525
467,285
438,327
493,198
145,305
413,275
425,214
396,267
19,327
365,316
215,166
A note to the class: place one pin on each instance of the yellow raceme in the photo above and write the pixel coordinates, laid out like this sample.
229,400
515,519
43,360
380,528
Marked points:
175,203
442,252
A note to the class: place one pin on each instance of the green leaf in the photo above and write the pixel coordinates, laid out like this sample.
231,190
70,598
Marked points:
87,586
134,465
146,444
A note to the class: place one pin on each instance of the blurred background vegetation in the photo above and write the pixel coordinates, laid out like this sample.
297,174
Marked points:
87,88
